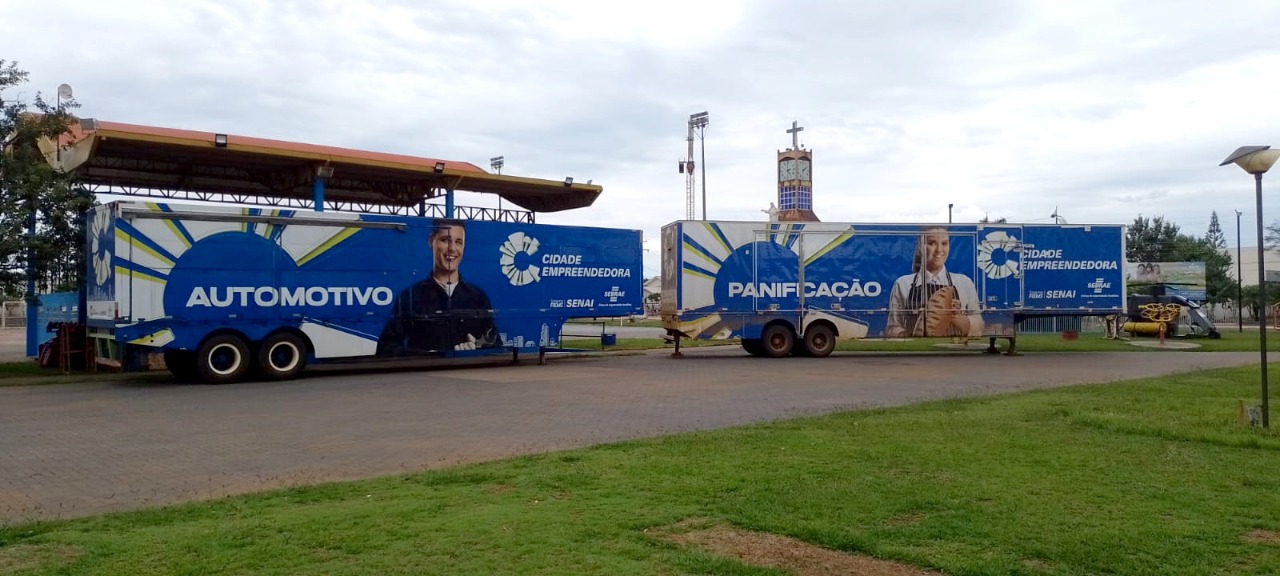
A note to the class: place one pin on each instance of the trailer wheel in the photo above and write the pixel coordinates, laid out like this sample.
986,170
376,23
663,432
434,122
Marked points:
819,340
182,364
282,356
222,359
753,346
778,340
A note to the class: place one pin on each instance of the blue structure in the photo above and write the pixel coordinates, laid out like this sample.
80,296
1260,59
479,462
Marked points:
779,282
239,286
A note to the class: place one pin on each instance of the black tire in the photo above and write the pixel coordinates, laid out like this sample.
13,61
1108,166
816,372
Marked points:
182,364
778,340
282,356
753,346
819,340
222,359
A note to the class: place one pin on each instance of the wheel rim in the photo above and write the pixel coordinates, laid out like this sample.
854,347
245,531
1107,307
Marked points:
224,359
283,356
777,341
821,341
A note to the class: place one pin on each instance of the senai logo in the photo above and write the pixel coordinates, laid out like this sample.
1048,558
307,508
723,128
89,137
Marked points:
517,259
997,255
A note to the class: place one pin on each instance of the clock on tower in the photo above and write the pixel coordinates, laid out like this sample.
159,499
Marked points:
795,181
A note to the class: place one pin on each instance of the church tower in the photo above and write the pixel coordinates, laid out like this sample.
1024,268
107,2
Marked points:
795,181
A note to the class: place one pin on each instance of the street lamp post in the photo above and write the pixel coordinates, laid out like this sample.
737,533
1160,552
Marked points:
1257,160
949,212
1239,275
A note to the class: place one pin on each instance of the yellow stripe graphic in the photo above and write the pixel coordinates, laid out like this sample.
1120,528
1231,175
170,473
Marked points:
330,243
841,239
719,238
699,274
138,275
121,235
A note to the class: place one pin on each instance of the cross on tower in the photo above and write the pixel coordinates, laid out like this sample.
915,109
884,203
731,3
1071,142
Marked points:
795,134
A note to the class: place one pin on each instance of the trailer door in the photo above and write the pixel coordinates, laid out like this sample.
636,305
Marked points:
999,264
777,272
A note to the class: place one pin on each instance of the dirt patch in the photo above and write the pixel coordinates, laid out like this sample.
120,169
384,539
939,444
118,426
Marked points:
906,520
23,557
1263,537
795,556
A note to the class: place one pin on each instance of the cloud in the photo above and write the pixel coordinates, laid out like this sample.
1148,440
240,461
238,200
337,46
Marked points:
1103,110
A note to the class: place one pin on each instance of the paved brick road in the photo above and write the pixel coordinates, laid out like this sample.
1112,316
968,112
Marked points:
80,449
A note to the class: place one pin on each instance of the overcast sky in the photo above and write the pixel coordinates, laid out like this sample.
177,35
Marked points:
1101,110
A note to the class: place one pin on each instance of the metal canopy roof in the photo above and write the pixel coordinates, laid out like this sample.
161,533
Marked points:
129,156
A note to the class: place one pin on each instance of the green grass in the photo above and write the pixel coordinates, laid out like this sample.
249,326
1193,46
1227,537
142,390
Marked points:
26,369
1147,477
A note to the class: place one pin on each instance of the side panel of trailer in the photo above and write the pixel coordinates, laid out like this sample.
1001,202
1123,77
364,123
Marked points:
354,285
732,279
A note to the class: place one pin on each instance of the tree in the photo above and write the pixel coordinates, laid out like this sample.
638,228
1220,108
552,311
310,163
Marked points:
1220,286
1271,239
1152,240
32,191
1214,235
1155,240
1250,304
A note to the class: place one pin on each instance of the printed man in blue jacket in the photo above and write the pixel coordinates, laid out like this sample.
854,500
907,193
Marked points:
441,313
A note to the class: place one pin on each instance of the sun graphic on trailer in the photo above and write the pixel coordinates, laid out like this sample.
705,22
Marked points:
997,255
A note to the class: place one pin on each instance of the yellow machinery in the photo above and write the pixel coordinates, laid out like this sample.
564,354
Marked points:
1155,319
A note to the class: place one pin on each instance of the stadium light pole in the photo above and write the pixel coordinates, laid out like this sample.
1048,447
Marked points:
496,163
1239,277
1257,160
699,123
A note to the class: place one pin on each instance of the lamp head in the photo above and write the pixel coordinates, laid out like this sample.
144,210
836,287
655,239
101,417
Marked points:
1253,159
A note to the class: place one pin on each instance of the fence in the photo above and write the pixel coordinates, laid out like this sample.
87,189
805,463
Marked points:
13,314
1050,324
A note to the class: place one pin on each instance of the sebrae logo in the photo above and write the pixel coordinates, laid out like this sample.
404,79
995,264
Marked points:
519,273
997,255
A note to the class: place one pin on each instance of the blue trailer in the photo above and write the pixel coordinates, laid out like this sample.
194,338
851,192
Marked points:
799,287
229,293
